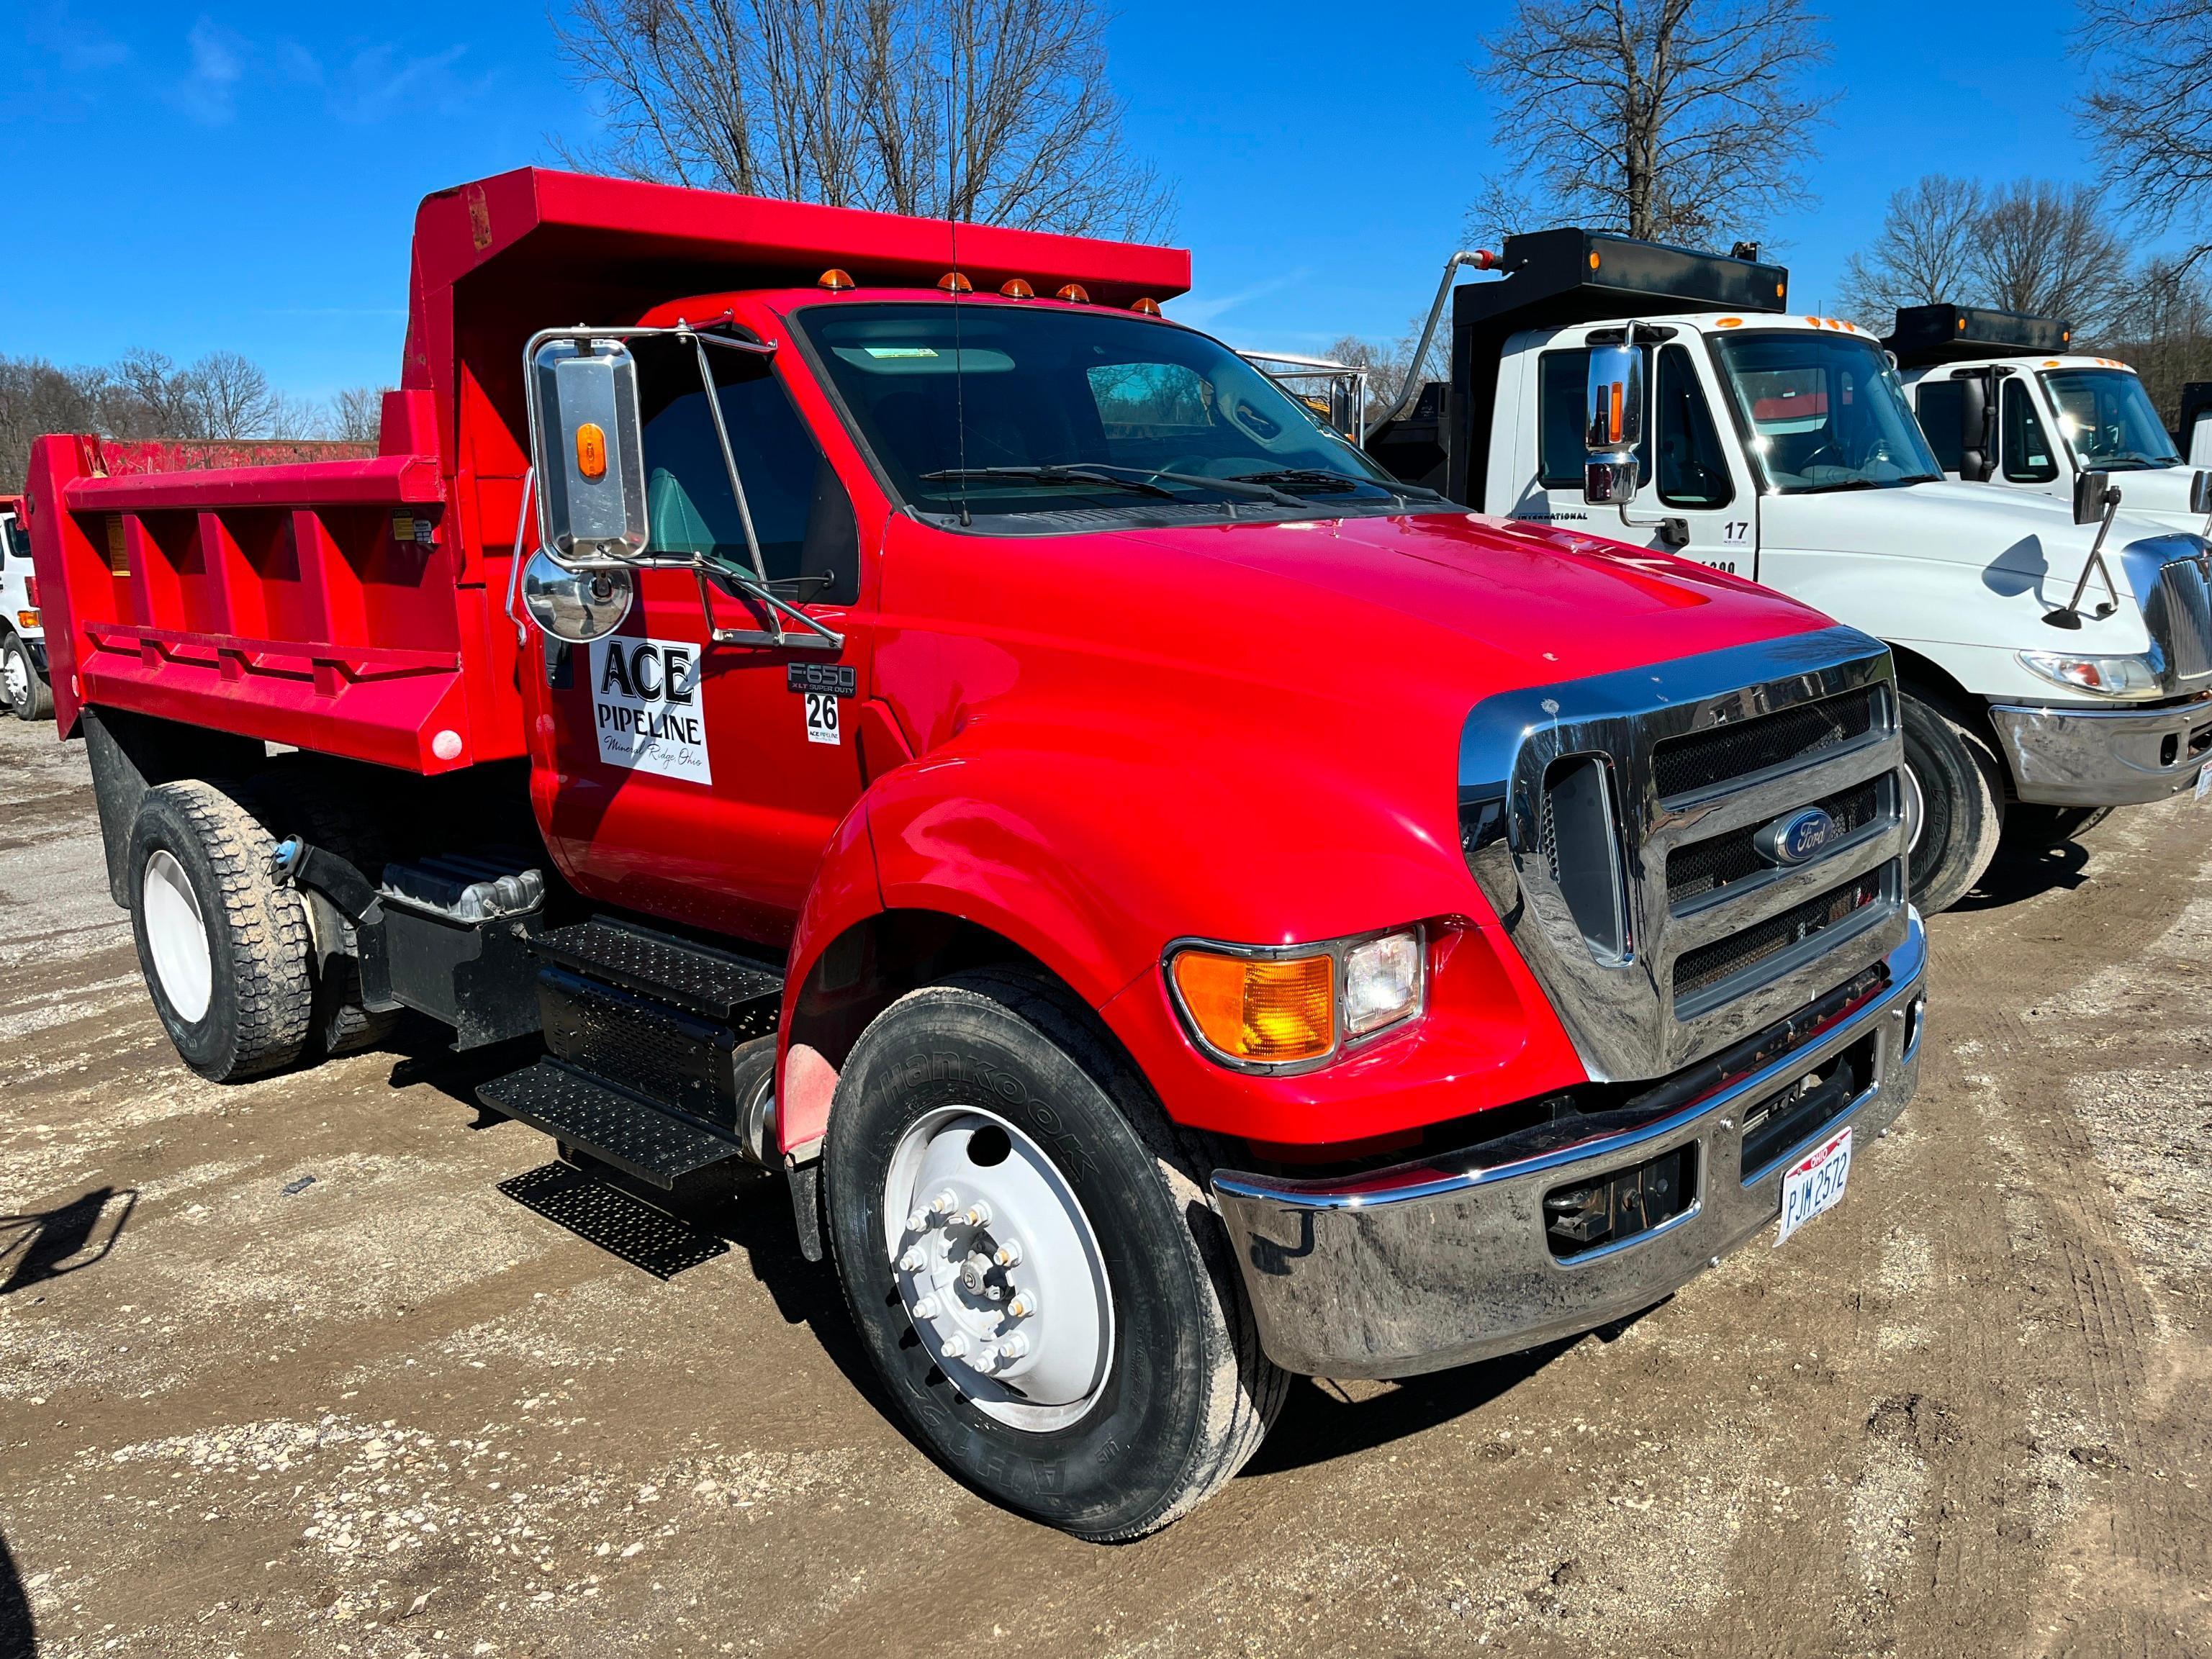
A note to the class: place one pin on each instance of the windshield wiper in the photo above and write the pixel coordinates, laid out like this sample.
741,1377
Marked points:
1084,475
1321,477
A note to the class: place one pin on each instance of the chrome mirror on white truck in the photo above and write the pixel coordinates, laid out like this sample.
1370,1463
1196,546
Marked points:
2095,502
1614,426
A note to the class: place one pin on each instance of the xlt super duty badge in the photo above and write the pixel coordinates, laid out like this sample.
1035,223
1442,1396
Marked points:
822,683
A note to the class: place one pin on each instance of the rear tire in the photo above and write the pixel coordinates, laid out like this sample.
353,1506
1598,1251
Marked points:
1182,1396
1957,808
295,796
28,694
224,948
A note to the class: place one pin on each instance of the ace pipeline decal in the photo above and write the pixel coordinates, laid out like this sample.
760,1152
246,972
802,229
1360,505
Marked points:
646,711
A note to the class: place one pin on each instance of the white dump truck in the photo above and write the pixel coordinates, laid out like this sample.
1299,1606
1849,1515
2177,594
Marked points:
2055,659
2004,401
23,634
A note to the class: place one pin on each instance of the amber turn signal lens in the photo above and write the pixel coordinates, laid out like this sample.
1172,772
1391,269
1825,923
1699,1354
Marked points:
1075,294
591,451
1267,1010
834,280
956,282
1147,308
1015,288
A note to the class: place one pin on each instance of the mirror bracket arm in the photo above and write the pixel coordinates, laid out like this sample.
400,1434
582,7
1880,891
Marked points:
2069,615
816,638
514,569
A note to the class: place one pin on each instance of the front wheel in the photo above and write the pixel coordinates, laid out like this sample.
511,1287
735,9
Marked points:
28,694
2039,829
1032,1265
1955,803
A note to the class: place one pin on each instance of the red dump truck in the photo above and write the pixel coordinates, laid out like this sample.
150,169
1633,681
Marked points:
1177,906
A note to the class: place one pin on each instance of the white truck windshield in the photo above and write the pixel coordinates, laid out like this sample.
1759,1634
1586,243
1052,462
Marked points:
2110,419
1003,413
1823,412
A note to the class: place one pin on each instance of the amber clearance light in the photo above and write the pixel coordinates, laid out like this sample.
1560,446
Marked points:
1267,1010
591,451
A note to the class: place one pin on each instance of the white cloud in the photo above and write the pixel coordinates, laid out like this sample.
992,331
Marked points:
207,94
83,48
1200,312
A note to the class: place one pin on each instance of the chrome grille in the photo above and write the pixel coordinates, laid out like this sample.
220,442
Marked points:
2180,619
1703,753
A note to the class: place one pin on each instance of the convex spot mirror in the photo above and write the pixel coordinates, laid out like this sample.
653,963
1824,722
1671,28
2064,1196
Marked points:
590,453
1614,426
575,605
2093,494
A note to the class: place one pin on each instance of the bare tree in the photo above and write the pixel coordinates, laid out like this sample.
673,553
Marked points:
1927,251
991,111
2049,250
1676,120
148,396
2151,115
1387,363
234,397
356,414
2163,331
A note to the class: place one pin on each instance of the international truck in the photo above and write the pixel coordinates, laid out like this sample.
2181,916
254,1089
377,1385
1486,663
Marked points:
2054,656
876,701
2004,402
22,634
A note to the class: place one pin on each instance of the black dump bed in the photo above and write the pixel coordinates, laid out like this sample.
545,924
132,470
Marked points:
1554,277
1951,334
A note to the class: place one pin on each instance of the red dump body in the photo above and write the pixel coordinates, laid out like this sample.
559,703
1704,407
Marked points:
355,605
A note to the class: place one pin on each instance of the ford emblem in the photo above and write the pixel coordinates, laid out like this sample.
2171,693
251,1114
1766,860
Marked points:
1796,838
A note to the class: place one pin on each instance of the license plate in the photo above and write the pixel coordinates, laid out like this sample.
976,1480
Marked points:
1815,1183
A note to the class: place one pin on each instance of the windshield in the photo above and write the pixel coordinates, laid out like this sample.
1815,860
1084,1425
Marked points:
1823,411
1070,413
19,542
2110,419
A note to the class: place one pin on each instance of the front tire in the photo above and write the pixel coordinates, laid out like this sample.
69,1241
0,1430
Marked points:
1152,1391
2031,829
224,949
1955,810
28,694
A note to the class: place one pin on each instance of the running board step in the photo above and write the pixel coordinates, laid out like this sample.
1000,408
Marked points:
619,1129
707,983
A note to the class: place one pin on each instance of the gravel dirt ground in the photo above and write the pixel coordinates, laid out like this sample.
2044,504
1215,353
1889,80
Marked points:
283,1370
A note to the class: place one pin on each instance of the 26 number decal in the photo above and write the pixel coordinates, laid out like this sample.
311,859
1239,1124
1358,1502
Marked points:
822,718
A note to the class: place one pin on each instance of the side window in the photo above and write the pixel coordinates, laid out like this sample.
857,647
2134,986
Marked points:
1693,469
809,542
1562,388
2028,458
1942,417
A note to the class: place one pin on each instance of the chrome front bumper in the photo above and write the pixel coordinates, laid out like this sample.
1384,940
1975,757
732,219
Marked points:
2104,756
1419,1268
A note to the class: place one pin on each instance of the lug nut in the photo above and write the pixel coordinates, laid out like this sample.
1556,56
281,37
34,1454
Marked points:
944,1203
985,1360
956,1347
912,1261
1024,1304
917,1220
927,1307
978,1215
1008,1254
1013,1347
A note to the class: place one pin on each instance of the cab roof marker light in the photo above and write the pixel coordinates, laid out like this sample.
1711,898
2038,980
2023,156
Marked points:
1147,308
1015,288
955,282
834,280
1075,294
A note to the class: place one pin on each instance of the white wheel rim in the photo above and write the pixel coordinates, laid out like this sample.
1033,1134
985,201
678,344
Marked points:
1030,1343
177,937
1916,810
16,673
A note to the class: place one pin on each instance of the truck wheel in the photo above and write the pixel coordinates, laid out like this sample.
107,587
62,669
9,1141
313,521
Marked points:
295,798
1955,804
28,694
1031,1261
2029,829
224,949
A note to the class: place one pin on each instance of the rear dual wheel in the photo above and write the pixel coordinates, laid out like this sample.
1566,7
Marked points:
1032,1265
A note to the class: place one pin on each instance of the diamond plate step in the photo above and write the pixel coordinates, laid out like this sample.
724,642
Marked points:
617,1128
672,970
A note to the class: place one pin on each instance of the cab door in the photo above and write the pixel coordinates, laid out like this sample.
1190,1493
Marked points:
691,778
1695,498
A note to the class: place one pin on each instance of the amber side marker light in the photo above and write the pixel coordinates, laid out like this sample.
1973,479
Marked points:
1149,307
834,280
1015,288
1075,294
591,451
1264,1011
956,282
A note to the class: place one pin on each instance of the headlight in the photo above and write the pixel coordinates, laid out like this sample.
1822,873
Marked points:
2103,676
1273,1008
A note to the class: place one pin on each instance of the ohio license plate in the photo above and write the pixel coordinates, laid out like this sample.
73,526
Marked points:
1815,1183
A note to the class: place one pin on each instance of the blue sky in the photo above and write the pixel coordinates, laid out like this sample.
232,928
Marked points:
244,176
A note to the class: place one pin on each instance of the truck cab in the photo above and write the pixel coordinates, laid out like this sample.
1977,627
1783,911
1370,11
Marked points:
2051,668
2004,402
22,631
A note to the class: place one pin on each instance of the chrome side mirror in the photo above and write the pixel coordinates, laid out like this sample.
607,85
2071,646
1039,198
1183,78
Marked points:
1614,425
578,607
2200,494
589,447
2093,496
